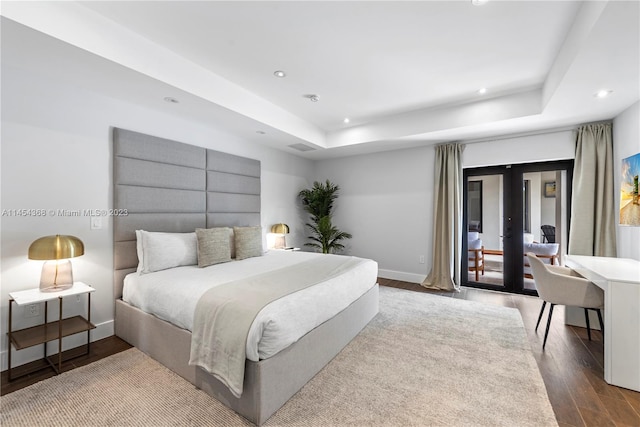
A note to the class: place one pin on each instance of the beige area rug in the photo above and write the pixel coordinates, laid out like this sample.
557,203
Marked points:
423,360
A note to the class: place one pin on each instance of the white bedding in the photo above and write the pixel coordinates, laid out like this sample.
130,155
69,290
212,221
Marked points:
172,295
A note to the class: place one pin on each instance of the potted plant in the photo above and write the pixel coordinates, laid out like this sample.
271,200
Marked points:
318,202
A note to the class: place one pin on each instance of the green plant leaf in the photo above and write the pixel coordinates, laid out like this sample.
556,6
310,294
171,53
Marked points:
318,202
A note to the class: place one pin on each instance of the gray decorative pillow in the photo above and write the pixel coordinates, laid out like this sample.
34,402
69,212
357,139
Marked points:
248,242
213,246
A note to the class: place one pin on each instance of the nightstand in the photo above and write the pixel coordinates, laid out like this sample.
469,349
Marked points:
48,331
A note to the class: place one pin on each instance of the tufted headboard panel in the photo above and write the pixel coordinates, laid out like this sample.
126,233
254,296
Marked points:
170,186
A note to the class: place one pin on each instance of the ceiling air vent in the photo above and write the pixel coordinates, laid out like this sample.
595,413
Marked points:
301,147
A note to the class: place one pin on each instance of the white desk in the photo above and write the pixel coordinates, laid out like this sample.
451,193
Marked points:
620,280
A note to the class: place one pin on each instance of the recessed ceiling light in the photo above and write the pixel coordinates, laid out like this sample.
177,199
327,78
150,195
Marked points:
482,91
346,120
261,132
312,97
603,93
171,100
479,2
280,73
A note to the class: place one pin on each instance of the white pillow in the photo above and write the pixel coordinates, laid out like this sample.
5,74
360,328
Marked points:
541,248
475,244
168,250
139,250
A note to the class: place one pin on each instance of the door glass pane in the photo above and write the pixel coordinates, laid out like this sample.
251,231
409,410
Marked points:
543,209
484,229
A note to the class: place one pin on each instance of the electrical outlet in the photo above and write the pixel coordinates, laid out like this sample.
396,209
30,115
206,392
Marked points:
32,310
421,259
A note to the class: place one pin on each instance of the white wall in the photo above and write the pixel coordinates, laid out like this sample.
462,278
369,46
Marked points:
542,147
386,203
492,217
56,154
626,143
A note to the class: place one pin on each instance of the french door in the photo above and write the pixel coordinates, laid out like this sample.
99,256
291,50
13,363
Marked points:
507,210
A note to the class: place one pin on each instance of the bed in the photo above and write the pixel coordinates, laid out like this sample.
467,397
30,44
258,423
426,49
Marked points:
161,185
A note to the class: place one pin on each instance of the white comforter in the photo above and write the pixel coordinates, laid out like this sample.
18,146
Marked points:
172,295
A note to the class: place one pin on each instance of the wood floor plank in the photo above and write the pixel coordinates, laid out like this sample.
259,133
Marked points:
600,385
568,415
632,397
596,419
621,412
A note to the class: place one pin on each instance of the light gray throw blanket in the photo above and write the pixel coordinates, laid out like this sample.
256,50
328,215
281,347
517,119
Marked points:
224,314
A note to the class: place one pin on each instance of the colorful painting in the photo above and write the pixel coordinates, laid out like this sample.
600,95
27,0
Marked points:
550,189
629,203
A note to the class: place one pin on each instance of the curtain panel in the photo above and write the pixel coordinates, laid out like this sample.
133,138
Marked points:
592,204
447,219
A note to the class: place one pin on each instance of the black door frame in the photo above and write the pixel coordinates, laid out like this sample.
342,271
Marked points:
512,227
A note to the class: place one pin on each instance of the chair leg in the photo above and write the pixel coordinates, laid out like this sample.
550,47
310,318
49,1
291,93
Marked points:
601,322
546,333
544,303
586,320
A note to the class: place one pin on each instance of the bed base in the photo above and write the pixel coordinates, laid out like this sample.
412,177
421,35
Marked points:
268,384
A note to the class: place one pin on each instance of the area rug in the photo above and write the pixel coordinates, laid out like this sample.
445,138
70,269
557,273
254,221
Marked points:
423,360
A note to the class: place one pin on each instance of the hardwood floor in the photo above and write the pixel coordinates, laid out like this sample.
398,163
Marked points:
571,366
99,350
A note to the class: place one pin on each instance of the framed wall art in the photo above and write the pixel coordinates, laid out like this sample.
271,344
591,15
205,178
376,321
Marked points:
629,203
550,189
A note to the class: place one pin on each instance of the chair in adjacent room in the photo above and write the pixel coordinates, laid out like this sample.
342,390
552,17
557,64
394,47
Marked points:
476,253
558,285
548,234
546,252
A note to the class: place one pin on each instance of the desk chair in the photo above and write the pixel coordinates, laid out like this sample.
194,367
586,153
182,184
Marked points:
558,285
546,252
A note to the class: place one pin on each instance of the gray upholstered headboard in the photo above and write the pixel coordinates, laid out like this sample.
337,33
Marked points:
170,186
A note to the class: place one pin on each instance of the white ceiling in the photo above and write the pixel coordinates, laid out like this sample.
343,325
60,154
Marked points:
405,73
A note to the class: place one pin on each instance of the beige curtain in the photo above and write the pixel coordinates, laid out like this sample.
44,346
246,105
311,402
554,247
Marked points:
447,219
593,224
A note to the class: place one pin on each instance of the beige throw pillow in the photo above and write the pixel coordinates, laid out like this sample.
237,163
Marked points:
213,246
248,242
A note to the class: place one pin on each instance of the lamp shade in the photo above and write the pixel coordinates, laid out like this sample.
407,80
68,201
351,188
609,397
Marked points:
56,247
280,228
57,273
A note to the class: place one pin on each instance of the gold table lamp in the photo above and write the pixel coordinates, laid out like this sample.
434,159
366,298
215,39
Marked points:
57,274
280,229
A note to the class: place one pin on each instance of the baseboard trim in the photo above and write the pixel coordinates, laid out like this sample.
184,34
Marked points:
401,275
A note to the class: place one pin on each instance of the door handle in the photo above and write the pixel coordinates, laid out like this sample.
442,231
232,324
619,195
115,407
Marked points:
508,229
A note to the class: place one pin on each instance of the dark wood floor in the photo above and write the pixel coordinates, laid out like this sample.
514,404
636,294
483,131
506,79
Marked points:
571,366
99,350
